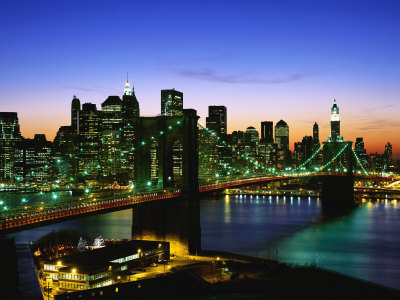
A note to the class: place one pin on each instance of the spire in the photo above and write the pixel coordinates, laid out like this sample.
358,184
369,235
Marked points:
127,89
334,111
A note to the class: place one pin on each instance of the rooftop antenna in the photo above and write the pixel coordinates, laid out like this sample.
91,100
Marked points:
127,77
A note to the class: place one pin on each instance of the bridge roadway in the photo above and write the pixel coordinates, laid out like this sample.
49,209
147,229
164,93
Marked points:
30,220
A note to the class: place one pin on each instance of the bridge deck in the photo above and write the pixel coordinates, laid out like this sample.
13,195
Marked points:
40,218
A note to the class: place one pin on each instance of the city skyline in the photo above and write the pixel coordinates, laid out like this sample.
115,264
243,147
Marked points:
280,61
292,140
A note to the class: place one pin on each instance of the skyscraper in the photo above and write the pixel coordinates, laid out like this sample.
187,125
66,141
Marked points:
387,156
267,132
9,136
89,139
316,134
335,123
75,108
111,114
64,153
361,153
251,135
307,147
33,159
111,130
171,103
282,135
335,144
217,119
130,120
130,107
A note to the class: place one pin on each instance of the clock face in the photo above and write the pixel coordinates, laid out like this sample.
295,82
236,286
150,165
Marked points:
334,117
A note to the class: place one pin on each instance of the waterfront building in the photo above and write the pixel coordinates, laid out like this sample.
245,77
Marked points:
102,266
9,135
171,103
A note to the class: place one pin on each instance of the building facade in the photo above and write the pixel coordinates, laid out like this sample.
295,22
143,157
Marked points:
171,103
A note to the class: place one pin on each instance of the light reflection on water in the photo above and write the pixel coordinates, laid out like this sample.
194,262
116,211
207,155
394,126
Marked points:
363,244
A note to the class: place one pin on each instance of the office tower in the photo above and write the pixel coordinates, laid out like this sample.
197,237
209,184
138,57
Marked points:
111,114
251,140
217,119
377,162
64,153
267,132
89,138
387,156
111,131
34,159
130,119
282,135
130,105
298,155
361,153
75,108
335,144
237,138
217,122
171,103
315,137
251,135
335,123
208,154
9,136
307,147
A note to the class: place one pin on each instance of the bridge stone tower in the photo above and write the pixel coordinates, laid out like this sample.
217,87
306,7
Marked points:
165,161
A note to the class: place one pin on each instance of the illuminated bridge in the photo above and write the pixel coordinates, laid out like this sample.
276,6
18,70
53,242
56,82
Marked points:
173,160
76,209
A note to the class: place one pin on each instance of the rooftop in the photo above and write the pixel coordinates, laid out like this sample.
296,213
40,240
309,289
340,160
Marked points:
91,260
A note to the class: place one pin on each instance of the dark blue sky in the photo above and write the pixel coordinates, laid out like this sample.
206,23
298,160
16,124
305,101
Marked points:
264,60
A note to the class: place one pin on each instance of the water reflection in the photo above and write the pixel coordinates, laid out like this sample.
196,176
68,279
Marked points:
364,244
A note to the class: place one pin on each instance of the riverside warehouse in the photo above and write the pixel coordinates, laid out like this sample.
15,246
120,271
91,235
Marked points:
100,267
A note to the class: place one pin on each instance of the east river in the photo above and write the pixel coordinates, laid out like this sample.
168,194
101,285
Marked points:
364,244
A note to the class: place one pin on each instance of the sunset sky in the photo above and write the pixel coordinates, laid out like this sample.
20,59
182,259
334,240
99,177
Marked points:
263,60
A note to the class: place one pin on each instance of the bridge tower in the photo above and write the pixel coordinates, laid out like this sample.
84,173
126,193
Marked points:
168,161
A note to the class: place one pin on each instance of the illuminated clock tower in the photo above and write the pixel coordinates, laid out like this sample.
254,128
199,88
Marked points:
335,123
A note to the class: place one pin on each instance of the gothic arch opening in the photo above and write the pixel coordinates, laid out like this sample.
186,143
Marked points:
177,162
154,163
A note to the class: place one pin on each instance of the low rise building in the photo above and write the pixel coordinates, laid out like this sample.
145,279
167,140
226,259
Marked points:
103,266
